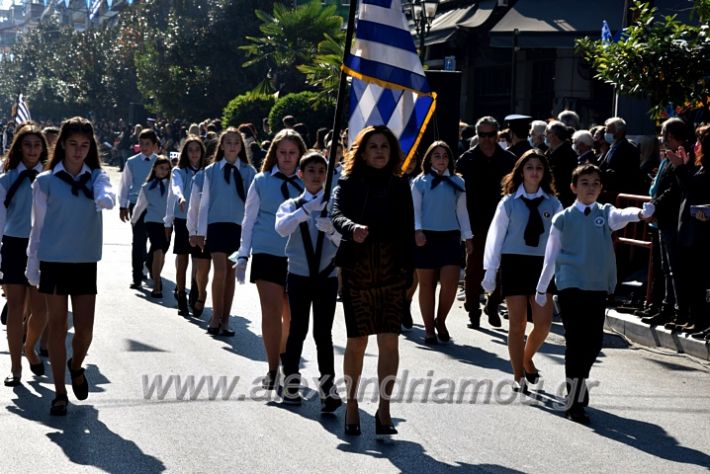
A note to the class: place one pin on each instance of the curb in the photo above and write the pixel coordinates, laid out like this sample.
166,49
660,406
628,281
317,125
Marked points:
633,329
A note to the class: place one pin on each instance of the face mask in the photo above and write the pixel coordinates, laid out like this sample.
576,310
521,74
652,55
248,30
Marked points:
547,142
609,138
531,142
574,147
503,144
697,148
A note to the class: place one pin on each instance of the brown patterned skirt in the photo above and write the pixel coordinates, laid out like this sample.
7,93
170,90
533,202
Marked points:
374,291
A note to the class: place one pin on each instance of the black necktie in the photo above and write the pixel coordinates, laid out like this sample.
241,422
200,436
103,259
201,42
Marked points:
157,182
230,169
438,178
77,185
30,174
587,211
535,227
286,180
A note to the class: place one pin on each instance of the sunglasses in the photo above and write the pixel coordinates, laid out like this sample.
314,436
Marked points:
487,134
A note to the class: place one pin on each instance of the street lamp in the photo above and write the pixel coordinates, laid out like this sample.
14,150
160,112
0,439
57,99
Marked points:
422,13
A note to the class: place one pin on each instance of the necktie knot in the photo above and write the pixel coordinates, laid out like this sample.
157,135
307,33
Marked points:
77,185
230,169
30,174
438,178
587,211
292,180
158,182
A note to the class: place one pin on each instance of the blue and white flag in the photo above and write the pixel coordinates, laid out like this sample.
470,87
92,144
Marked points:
95,8
388,82
23,111
606,33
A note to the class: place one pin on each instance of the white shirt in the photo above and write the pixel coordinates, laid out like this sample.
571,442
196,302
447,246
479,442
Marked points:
204,201
288,217
499,228
461,211
251,212
3,194
124,187
175,195
618,219
104,198
193,210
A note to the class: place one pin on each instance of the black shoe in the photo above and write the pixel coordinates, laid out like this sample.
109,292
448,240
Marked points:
227,333
81,389
441,330
136,286
270,380
431,340
657,320
181,298
330,403
192,297
474,318
3,316
59,405
577,415
12,380
532,377
38,368
407,322
493,317
382,430
156,294
197,312
291,398
213,331
352,429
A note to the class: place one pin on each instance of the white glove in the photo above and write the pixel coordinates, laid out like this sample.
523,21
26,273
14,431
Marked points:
240,270
540,299
103,202
32,271
314,205
648,210
489,281
325,225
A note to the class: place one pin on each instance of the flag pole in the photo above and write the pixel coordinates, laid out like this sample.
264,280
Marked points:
339,105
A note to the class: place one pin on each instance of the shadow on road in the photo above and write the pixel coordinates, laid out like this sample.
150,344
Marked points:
84,439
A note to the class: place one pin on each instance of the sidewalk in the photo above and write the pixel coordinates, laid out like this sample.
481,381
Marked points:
634,330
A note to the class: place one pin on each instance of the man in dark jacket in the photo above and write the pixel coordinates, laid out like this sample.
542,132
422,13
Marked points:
562,158
482,168
622,163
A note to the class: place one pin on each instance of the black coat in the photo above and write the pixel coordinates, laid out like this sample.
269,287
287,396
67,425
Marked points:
382,202
563,161
621,167
667,199
695,189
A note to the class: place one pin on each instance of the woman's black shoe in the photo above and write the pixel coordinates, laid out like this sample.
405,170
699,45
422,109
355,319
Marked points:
532,377
227,333
59,405
81,389
38,368
156,294
12,380
382,429
192,297
270,380
430,340
181,298
212,331
352,429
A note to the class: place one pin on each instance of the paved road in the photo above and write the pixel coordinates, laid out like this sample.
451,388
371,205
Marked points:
650,410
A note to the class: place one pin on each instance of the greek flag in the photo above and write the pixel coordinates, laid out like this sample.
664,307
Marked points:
23,111
388,82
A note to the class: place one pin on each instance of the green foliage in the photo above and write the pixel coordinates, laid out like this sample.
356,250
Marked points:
247,108
324,72
289,39
660,58
300,105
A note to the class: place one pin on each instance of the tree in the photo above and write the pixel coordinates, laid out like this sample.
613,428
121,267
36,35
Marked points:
659,58
289,39
323,73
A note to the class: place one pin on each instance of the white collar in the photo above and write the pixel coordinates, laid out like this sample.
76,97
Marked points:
60,167
275,169
310,197
581,207
223,162
445,173
521,193
148,158
21,167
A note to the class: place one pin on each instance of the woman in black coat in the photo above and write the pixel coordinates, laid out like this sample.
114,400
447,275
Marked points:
373,211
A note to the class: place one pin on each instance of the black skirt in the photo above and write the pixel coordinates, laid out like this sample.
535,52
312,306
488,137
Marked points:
223,237
442,248
58,278
181,239
157,237
269,268
14,260
519,274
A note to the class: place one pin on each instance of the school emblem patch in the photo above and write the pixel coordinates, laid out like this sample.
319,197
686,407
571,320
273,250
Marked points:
599,221
546,214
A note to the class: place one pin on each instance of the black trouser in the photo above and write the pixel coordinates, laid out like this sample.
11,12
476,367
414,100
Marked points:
669,264
582,315
321,293
693,263
139,255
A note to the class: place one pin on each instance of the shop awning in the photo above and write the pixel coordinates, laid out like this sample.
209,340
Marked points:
555,23
445,24
483,12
